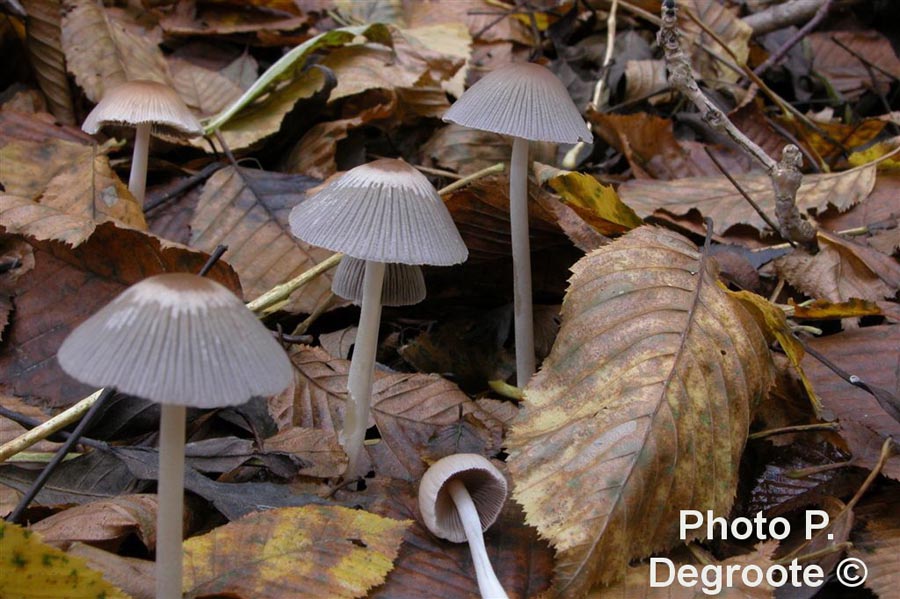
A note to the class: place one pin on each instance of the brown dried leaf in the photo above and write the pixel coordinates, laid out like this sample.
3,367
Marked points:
205,91
46,56
825,310
24,217
317,448
841,270
101,52
644,78
134,576
464,150
313,551
227,19
407,409
877,544
431,568
10,430
105,523
247,210
480,16
641,409
846,73
68,284
725,23
717,198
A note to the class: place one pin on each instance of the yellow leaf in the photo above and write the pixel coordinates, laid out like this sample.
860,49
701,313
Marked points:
825,310
309,551
31,568
597,204
875,153
774,324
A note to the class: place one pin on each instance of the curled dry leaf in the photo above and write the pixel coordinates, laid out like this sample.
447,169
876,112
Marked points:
247,210
597,204
44,45
104,523
309,551
717,198
841,270
408,409
728,27
319,451
102,53
27,560
220,19
641,409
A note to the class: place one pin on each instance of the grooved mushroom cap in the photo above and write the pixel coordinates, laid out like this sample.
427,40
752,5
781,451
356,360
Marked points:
403,284
177,339
524,100
137,102
384,211
482,480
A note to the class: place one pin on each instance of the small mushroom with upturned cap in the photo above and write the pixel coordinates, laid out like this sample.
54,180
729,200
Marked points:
460,497
384,212
182,341
146,106
527,102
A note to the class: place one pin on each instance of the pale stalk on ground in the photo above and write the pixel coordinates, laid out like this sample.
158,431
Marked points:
170,515
488,584
362,368
137,179
521,248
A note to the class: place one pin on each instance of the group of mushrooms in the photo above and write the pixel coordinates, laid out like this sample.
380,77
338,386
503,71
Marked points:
183,340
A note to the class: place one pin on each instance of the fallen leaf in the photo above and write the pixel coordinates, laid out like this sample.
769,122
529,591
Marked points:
464,150
848,75
102,53
28,561
224,19
645,78
10,430
841,270
204,91
825,310
247,210
44,45
717,198
484,21
829,140
137,577
105,523
597,204
311,551
725,23
617,427
318,449
877,542
407,409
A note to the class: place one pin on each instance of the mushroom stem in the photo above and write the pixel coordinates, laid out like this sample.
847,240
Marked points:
488,584
137,180
518,217
170,514
362,368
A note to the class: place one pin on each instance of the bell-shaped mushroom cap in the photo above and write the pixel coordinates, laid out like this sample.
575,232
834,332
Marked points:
137,102
385,211
482,480
403,284
522,100
178,339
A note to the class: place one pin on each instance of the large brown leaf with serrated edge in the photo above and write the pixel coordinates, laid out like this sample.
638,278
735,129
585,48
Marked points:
408,409
309,551
641,409
68,284
247,210
431,568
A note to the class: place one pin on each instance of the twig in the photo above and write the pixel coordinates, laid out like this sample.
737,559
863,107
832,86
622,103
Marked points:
785,174
491,170
301,328
779,54
800,428
281,292
59,436
184,185
782,15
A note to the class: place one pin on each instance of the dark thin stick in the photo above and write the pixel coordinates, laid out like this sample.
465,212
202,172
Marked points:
61,453
779,54
810,159
862,59
184,185
746,196
213,258
870,70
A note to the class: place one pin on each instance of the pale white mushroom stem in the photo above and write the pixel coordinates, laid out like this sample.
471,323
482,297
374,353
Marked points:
488,584
137,179
521,249
362,368
170,514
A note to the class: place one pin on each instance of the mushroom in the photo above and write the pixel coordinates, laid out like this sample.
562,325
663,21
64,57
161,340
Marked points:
526,102
404,284
146,106
381,212
180,340
460,497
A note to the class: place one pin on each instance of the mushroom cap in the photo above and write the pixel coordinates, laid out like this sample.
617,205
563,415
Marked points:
403,284
385,211
137,102
524,100
178,339
482,480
